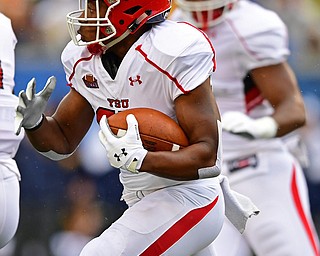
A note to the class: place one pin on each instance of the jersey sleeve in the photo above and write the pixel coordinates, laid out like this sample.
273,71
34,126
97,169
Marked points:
70,58
186,54
265,43
67,59
193,66
270,48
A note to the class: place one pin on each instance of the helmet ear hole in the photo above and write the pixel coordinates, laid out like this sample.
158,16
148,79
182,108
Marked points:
132,10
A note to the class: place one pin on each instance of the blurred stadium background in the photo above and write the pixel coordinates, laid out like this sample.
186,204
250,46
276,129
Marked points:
64,204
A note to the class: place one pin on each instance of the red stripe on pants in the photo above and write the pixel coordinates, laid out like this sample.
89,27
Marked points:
178,230
302,215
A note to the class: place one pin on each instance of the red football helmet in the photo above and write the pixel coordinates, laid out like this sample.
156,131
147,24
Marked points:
122,18
205,13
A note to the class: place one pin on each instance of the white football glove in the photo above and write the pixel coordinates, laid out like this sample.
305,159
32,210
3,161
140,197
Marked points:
31,106
124,152
240,124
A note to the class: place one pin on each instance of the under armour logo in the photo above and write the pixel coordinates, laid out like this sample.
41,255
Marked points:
124,153
137,80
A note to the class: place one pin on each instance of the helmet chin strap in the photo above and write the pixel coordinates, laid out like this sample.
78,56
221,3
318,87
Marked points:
115,41
100,48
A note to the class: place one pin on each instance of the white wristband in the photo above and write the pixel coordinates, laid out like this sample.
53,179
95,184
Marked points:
209,172
269,127
55,156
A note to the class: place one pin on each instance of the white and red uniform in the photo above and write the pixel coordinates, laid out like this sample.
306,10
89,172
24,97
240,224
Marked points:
251,37
165,216
9,142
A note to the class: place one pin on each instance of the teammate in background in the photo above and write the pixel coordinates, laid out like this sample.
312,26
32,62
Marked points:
9,142
124,55
259,101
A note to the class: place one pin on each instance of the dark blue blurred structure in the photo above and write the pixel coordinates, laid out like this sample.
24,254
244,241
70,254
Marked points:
310,85
42,71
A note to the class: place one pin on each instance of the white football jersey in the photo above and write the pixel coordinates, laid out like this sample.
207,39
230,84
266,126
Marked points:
9,142
242,43
169,60
8,42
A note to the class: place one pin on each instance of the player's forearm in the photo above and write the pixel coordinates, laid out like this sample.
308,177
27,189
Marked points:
289,117
48,136
180,165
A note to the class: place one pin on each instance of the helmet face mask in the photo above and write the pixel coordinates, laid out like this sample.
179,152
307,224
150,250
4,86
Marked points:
81,17
112,20
205,13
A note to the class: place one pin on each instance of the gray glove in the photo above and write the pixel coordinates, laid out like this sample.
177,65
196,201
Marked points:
29,112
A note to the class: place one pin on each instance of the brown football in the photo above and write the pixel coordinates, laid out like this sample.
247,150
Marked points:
158,131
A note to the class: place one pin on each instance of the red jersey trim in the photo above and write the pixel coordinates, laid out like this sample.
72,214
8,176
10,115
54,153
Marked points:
173,79
75,66
209,41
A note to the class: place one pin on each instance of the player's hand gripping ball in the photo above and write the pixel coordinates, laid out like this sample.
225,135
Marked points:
125,152
158,131
127,143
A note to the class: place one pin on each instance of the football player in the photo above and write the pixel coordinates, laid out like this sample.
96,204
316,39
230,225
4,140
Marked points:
259,100
125,54
9,142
